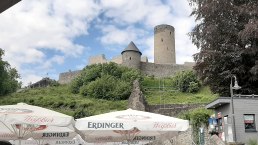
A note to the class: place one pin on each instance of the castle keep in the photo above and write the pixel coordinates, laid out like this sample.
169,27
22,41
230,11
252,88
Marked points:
164,45
164,57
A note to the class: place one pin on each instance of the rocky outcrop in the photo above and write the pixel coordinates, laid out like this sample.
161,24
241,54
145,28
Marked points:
136,100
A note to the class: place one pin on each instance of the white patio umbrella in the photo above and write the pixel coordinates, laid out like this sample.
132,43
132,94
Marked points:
22,121
128,124
77,140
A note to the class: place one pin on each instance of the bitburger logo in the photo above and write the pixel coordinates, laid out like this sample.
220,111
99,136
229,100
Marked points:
31,127
133,117
15,111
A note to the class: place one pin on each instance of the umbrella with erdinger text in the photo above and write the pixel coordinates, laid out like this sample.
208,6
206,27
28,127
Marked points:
22,121
129,125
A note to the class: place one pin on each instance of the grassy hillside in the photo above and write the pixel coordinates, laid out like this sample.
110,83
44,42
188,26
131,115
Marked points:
62,100
160,91
171,96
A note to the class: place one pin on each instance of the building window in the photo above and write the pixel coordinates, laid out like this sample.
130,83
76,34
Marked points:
161,39
130,58
249,120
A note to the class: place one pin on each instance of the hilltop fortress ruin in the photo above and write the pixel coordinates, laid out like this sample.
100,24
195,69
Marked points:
164,57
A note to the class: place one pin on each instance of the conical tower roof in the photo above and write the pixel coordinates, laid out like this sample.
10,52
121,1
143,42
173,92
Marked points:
131,47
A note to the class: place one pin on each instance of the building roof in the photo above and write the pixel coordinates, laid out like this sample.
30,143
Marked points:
218,102
226,100
5,4
131,47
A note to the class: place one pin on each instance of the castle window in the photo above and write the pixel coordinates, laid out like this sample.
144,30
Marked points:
130,58
167,48
170,32
161,39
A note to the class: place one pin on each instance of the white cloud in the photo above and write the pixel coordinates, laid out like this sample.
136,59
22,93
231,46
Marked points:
150,48
179,7
54,60
32,27
31,78
148,14
113,35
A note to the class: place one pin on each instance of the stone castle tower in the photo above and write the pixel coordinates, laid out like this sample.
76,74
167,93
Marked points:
131,56
164,57
164,44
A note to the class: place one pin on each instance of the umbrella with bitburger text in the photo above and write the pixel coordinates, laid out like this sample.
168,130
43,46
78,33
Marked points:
22,121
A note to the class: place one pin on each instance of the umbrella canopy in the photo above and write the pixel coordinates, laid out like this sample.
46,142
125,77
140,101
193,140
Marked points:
22,121
77,140
129,125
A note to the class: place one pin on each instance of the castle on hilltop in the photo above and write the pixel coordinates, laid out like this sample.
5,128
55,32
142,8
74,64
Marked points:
164,57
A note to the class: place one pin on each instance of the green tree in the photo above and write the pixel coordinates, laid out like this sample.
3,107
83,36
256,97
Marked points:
226,34
8,77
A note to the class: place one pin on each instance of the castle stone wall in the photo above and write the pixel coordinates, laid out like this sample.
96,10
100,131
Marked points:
67,77
150,69
117,59
144,59
162,70
97,59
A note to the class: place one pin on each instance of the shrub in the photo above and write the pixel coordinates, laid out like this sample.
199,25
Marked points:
186,81
75,85
80,113
54,83
198,118
122,90
102,88
194,87
105,81
107,87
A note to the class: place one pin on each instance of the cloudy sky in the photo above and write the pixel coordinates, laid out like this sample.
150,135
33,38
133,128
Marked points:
43,38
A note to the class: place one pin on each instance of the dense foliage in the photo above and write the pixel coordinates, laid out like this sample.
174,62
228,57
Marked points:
186,81
227,35
198,118
105,81
8,77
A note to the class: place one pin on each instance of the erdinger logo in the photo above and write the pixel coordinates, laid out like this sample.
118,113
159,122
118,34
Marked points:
15,111
133,117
